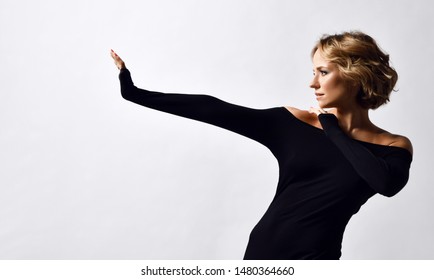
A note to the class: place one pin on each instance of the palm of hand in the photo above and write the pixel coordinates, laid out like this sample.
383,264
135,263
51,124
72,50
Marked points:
120,64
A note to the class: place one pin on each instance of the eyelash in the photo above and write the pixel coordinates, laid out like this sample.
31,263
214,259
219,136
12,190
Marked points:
323,73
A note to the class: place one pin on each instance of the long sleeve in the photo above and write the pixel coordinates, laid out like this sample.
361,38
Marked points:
256,124
386,175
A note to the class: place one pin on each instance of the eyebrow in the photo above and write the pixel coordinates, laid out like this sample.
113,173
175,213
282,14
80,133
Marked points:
321,67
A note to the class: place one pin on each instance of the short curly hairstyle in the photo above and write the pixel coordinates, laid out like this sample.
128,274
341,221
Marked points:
361,62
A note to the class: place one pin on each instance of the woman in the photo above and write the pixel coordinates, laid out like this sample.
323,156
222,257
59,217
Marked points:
331,161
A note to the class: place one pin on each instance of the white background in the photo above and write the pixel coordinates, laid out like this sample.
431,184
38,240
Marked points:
86,175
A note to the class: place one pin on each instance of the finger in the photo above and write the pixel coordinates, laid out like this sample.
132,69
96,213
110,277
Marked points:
114,54
320,111
314,110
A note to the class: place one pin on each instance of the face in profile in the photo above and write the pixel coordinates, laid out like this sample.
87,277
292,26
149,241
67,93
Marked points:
331,89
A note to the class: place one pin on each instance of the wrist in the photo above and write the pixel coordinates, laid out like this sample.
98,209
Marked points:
329,123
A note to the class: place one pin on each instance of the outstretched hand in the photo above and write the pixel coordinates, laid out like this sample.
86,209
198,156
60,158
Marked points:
120,64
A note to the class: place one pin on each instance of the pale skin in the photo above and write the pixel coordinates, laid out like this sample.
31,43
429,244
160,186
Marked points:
334,95
120,64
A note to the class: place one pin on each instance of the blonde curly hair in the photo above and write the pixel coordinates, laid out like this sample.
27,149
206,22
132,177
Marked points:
362,63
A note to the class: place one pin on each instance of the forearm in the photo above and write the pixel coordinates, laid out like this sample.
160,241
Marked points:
251,123
385,177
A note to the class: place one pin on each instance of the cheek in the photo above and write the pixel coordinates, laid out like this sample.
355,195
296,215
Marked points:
332,84
337,84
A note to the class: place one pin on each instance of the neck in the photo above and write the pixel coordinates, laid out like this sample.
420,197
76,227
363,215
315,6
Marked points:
352,120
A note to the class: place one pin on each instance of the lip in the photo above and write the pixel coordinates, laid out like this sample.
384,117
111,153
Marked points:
319,95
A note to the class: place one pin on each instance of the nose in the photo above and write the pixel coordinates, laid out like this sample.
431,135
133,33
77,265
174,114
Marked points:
314,83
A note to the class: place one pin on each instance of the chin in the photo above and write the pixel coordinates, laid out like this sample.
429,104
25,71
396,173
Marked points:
326,105
323,104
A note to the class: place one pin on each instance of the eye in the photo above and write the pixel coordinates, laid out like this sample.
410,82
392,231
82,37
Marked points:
321,72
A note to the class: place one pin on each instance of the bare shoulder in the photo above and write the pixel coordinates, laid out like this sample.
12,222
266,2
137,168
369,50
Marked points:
399,141
375,135
304,116
386,138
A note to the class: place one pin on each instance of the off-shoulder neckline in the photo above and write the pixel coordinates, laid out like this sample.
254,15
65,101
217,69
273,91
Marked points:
360,141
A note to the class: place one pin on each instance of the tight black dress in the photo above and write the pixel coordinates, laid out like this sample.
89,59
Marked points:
324,176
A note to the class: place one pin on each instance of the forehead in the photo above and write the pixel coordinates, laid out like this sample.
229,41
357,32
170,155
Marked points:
319,60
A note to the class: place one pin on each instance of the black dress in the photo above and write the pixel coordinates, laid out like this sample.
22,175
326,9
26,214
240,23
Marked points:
324,176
